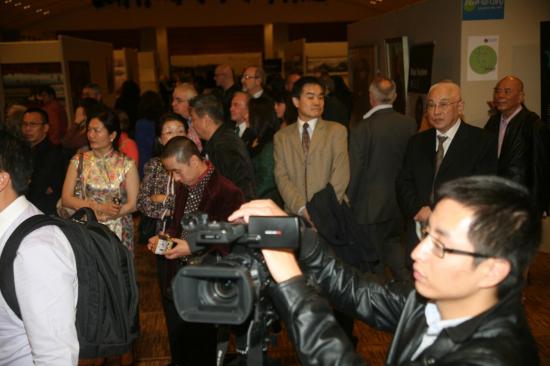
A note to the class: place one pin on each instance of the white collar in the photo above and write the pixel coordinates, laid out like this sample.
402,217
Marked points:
376,109
451,132
434,322
258,94
312,123
511,116
12,212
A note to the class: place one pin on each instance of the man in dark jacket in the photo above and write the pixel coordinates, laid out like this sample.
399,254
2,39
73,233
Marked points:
48,168
468,276
223,147
523,141
202,189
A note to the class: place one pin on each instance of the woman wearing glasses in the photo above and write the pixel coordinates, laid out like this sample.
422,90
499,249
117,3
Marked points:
156,193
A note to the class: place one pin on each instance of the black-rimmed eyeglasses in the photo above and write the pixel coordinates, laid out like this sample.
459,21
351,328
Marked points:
439,249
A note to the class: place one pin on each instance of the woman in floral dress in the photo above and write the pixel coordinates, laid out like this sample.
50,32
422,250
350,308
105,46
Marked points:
109,182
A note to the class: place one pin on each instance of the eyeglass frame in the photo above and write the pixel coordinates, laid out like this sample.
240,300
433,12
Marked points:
443,106
438,244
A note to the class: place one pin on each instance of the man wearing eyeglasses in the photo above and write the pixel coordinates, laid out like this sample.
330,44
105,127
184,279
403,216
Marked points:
466,307
449,150
523,141
48,168
252,80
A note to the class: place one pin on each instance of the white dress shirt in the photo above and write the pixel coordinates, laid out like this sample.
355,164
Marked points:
311,127
451,132
242,127
435,326
46,285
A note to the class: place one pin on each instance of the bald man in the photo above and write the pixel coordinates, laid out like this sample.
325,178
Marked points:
457,148
523,141
225,80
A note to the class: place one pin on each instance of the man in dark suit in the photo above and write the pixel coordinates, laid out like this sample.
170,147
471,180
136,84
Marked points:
48,167
239,115
377,148
523,141
449,150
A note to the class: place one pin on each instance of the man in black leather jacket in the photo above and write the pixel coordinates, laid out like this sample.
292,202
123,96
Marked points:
468,275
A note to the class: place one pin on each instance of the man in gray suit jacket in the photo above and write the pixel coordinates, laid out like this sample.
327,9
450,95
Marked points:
305,162
377,148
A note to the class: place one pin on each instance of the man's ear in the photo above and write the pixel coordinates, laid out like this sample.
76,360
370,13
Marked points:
495,270
4,180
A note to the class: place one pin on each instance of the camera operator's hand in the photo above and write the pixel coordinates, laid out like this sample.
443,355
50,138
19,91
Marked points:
256,208
180,249
281,263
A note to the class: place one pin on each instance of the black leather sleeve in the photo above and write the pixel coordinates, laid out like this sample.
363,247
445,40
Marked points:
357,294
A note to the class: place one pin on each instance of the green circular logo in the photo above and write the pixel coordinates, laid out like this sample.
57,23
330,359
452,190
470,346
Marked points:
483,60
469,5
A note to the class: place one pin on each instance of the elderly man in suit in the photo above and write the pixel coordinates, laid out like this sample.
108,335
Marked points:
311,153
449,150
377,149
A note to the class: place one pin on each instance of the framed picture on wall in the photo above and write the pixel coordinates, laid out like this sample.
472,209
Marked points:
397,62
363,67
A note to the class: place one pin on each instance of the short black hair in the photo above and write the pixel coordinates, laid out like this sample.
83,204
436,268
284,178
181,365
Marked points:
47,89
504,223
16,160
301,82
208,104
40,111
182,148
111,122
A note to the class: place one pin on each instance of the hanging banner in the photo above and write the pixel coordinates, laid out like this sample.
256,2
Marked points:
482,58
482,9
420,67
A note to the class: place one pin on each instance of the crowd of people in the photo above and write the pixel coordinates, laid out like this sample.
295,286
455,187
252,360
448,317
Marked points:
384,196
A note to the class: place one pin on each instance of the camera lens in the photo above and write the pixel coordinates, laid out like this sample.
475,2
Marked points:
224,289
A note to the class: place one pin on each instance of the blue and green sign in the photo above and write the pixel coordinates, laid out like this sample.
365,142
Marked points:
482,9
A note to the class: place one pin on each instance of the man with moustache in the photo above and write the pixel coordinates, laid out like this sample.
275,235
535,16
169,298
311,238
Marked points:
523,141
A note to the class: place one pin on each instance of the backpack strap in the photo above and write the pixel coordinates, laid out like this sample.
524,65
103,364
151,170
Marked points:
7,281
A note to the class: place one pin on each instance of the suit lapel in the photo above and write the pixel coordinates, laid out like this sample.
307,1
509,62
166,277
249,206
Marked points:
319,135
428,150
294,139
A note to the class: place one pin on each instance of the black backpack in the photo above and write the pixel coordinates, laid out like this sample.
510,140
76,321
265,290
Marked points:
107,308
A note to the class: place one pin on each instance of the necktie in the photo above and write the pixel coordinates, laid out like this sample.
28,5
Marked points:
501,133
439,153
305,139
305,147
237,130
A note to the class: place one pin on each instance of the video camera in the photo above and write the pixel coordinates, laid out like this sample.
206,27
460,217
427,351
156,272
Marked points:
228,289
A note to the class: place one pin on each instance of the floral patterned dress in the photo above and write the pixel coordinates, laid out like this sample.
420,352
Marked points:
104,179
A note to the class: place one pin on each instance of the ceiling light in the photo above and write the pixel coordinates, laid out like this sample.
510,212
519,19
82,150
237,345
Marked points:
17,4
46,12
39,10
26,7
